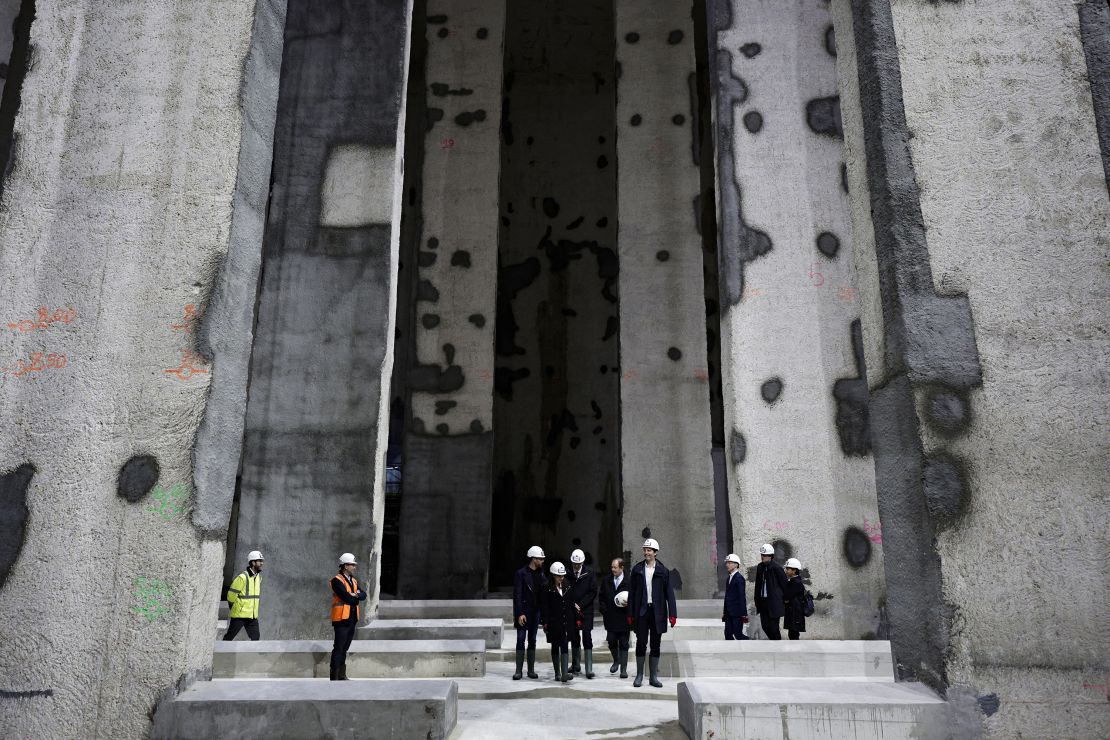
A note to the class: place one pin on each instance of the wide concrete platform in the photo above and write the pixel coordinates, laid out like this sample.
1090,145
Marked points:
309,709
868,659
801,708
490,631
365,659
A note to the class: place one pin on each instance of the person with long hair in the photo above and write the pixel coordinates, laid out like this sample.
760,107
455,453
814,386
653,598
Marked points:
559,620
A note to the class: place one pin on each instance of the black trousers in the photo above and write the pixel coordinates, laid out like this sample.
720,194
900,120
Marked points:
645,629
237,623
344,633
793,634
583,636
770,626
617,640
734,628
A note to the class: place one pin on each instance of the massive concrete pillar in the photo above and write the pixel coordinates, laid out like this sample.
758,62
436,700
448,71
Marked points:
131,228
976,127
452,268
316,423
795,396
666,464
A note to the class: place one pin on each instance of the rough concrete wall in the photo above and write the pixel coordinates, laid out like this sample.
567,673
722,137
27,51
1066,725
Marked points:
667,470
793,367
315,444
448,454
557,380
124,214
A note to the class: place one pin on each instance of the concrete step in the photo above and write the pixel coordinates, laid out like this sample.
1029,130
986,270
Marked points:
309,709
365,659
503,609
490,631
802,708
686,629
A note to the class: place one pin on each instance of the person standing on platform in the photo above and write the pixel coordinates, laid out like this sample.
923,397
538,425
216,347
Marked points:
652,605
770,582
583,592
559,618
243,597
613,602
735,614
794,596
528,585
346,597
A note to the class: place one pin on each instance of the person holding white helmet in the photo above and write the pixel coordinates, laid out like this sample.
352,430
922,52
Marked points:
651,605
583,592
794,597
613,602
735,613
528,587
345,613
243,597
559,620
770,582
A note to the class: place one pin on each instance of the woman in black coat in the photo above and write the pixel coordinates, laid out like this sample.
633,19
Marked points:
794,619
559,618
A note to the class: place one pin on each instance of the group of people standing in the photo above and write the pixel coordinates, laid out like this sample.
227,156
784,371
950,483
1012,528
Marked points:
780,594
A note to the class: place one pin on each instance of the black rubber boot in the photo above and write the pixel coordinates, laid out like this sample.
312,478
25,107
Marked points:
639,672
343,673
519,665
567,675
334,674
576,653
616,659
555,662
532,663
589,663
653,666
624,663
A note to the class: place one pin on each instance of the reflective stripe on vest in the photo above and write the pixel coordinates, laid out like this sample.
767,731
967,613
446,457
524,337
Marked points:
340,610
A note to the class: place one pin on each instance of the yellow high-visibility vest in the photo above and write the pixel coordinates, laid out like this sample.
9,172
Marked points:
243,596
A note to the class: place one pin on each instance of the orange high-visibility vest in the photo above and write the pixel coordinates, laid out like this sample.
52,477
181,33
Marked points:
340,610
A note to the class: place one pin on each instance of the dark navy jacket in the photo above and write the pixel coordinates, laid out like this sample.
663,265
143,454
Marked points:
736,601
583,591
526,594
775,577
615,617
662,594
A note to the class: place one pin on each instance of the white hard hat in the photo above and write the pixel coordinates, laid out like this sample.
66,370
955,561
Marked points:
766,550
535,551
578,557
794,563
254,555
557,569
654,545
347,559
733,558
621,599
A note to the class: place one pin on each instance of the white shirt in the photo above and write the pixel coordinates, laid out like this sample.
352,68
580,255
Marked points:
649,573
730,575
617,581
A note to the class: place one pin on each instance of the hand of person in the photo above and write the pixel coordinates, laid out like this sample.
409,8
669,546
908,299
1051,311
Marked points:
545,629
522,620
673,620
743,620
578,623
630,620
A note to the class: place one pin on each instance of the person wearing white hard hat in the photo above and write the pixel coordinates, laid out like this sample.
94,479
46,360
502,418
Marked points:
613,601
793,595
346,598
559,620
528,584
651,606
583,592
243,597
735,613
770,582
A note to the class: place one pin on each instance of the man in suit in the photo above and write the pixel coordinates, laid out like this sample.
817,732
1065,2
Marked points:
583,591
770,582
735,614
651,606
528,587
615,616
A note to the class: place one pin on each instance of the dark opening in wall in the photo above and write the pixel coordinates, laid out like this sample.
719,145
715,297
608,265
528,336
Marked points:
16,17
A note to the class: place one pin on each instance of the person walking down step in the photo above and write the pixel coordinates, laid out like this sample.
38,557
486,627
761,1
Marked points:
528,585
345,613
244,597
794,596
735,613
652,605
559,619
583,592
770,582
613,603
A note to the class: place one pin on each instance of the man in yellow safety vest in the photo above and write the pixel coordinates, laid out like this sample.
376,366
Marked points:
243,597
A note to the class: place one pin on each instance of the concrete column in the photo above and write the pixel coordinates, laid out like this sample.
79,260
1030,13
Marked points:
793,368
666,464
131,225
316,423
448,453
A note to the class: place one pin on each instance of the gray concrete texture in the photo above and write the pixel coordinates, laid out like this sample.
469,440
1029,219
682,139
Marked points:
124,218
365,659
488,631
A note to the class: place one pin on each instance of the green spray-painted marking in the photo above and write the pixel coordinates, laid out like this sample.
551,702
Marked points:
152,595
170,503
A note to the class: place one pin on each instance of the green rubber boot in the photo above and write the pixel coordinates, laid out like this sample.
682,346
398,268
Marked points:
532,663
653,666
519,665
639,672
563,660
576,653
589,663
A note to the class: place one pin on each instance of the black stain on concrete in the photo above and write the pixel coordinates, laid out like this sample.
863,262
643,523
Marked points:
443,429
429,320
603,222
436,20
944,487
425,291
989,704
844,177
426,259
477,319
636,119
857,547
442,407
477,427
511,280
575,223
568,312
947,409
437,378
443,33
676,579
596,409
137,477
611,326
823,116
28,694
828,244
571,515
662,255
739,447
564,420
632,37
504,377
468,117
645,532
574,442
434,116
830,41
675,37
13,516
751,50
433,243
753,121
674,353
542,510
853,419
602,162
550,207
678,119
483,33
771,390
461,258
783,549
442,90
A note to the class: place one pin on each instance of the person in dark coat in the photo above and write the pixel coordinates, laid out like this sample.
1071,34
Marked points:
528,585
347,596
770,582
615,616
650,609
559,620
583,592
735,612
794,600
